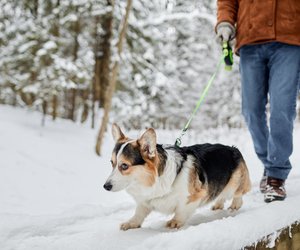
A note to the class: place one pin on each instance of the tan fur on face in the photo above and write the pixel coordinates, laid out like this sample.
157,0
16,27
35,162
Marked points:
149,172
196,188
146,173
128,171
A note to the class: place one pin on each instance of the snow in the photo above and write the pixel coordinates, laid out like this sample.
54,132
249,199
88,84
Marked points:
179,16
51,194
50,45
69,18
27,46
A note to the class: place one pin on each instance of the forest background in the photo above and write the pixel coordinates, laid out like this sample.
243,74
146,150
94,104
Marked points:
138,63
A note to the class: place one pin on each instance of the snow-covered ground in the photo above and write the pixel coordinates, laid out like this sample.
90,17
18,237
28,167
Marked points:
51,194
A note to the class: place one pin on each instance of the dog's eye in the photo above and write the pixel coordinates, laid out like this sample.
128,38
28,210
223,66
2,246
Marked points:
124,166
111,162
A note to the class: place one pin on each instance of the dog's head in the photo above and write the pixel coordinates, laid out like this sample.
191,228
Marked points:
134,162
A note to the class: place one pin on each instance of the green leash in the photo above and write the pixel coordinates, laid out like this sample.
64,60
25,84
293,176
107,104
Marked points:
227,58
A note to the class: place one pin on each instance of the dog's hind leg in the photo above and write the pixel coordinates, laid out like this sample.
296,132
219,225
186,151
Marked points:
231,190
228,192
243,187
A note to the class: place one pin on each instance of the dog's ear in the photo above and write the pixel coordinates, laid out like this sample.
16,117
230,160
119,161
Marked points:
147,143
117,133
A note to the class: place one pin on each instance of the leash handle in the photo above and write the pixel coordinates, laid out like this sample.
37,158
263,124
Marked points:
228,56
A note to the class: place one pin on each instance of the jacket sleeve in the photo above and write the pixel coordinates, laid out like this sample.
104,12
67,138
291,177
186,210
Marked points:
227,11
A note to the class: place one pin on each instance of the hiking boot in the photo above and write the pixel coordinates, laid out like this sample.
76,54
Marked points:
275,190
263,183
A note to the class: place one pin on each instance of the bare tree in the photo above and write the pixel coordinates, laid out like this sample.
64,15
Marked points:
102,57
113,80
95,86
105,56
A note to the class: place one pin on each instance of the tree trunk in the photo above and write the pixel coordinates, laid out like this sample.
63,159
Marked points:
113,80
55,29
104,55
66,103
54,107
15,97
73,104
76,29
85,111
36,7
93,102
45,108
95,87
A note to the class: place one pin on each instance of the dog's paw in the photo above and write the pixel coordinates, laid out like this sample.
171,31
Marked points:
129,225
234,208
217,207
236,204
174,224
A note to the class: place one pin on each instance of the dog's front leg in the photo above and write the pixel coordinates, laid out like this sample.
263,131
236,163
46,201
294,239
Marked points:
182,213
136,221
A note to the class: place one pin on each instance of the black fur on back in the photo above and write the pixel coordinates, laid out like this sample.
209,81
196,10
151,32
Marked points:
215,164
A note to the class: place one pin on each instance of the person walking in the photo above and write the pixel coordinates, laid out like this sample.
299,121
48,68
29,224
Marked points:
267,35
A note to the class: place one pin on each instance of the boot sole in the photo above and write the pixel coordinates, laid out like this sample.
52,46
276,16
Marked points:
274,198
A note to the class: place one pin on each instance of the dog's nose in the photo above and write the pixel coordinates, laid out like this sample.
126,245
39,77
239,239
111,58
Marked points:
107,186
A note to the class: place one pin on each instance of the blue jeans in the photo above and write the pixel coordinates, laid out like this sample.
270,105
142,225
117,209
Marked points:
271,70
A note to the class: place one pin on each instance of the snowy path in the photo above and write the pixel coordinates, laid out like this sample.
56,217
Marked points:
51,194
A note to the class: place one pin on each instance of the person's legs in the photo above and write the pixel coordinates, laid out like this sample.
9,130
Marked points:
255,77
284,67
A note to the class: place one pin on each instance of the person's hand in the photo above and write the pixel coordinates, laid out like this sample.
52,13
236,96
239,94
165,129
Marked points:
225,33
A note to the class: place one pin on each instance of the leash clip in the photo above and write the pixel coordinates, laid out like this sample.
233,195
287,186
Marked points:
178,142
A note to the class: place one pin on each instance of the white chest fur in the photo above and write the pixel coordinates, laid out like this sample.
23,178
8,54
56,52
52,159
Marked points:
169,189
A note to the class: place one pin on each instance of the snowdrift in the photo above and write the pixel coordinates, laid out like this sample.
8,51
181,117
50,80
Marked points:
51,194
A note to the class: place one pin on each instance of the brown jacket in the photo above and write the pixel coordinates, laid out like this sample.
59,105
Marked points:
259,21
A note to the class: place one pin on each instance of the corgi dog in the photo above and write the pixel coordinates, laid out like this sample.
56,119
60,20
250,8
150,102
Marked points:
175,180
